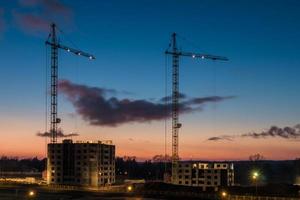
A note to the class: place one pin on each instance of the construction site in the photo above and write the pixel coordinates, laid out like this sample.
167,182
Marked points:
93,163
160,135
90,166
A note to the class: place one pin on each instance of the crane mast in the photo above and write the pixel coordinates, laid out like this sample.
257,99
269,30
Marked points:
175,110
54,69
175,98
55,45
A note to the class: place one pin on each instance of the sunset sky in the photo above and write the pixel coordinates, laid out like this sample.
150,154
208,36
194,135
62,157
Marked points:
261,38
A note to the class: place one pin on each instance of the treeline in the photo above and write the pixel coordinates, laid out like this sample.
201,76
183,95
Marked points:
126,167
270,172
22,165
154,169
129,168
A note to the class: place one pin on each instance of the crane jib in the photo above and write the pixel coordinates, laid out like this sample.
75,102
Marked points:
72,50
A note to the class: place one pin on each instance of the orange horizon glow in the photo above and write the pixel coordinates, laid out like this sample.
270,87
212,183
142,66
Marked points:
147,140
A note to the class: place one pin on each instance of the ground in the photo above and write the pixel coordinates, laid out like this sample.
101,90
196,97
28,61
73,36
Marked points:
18,192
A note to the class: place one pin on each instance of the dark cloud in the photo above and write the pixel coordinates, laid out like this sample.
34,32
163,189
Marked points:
169,98
274,131
215,138
224,137
94,105
198,100
202,100
60,134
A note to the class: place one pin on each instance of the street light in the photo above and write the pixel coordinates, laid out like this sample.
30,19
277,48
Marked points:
31,193
224,194
255,177
129,188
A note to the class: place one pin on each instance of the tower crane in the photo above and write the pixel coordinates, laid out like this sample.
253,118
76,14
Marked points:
52,41
176,54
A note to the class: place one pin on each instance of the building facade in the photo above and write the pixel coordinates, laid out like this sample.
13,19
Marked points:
208,176
90,163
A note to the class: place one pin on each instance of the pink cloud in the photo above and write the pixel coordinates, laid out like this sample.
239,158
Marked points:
35,16
31,23
51,6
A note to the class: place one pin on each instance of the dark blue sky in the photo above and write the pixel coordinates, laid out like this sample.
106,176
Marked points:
261,39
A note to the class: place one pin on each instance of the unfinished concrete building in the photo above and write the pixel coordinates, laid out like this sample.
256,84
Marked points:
207,175
89,163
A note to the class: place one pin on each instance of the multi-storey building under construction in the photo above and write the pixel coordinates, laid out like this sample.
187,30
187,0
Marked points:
207,175
90,163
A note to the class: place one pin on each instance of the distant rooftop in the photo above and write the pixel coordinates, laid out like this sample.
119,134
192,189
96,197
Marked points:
88,141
